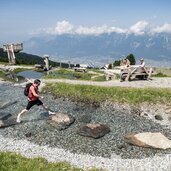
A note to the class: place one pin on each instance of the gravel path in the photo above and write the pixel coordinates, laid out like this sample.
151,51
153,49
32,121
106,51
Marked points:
30,150
155,83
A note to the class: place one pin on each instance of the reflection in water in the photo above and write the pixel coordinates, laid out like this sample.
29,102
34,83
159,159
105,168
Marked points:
30,74
35,74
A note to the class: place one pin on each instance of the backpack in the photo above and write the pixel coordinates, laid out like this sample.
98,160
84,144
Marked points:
26,89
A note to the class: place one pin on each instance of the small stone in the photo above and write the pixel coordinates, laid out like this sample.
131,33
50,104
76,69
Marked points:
158,117
28,134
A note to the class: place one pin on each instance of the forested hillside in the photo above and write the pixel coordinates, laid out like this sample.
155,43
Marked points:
24,58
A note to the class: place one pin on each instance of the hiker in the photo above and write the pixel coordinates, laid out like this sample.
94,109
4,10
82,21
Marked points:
33,99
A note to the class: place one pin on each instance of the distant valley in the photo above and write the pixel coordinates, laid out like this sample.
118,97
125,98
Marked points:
103,48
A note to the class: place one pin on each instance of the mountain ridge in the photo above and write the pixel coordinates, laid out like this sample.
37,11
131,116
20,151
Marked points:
101,47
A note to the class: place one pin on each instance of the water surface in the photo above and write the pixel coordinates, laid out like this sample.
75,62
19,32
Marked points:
30,74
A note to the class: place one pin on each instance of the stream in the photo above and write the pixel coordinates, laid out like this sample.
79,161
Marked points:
35,124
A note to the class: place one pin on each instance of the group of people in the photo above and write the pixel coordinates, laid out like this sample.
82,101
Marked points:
125,65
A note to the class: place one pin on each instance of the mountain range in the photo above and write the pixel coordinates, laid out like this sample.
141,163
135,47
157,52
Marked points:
102,48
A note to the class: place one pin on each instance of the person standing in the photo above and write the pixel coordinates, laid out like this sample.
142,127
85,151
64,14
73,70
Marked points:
33,99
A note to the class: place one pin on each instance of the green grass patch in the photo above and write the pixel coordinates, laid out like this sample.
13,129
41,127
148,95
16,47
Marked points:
160,74
4,63
99,78
87,93
2,74
12,161
68,74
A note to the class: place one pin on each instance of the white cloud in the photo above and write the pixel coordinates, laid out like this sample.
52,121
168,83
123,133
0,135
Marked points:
98,30
63,27
139,28
164,28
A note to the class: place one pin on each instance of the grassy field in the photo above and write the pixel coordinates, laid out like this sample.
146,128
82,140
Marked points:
163,72
15,162
90,94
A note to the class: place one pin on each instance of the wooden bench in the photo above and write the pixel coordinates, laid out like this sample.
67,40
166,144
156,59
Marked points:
132,73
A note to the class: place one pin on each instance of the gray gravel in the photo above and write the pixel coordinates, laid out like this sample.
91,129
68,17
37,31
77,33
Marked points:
164,82
109,152
30,150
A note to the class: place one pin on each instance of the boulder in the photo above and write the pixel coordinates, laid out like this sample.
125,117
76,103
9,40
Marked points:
8,122
149,139
93,130
61,120
6,104
4,115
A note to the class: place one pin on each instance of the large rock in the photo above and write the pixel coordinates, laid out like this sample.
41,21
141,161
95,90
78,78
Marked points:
4,115
149,139
93,130
8,122
60,120
6,104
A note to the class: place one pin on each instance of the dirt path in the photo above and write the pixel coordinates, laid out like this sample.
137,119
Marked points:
12,67
164,82
155,83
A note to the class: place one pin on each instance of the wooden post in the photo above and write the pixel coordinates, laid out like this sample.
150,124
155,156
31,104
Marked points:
11,49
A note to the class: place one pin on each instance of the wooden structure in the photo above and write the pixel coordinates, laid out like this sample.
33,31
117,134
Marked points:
11,49
46,61
80,69
136,72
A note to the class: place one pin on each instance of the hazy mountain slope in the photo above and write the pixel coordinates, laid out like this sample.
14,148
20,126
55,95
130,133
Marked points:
99,47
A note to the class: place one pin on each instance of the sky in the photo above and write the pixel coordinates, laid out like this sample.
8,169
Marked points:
23,19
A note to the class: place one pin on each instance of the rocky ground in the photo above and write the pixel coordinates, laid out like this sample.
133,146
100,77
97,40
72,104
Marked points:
34,137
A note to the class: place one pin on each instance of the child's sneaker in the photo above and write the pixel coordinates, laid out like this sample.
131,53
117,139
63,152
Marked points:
51,113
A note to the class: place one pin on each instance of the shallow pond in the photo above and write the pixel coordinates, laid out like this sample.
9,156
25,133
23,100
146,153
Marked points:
119,121
30,74
34,74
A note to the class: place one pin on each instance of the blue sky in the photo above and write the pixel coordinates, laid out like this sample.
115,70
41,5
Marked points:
22,19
